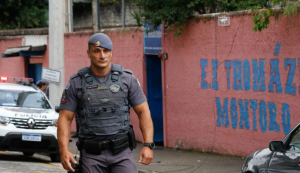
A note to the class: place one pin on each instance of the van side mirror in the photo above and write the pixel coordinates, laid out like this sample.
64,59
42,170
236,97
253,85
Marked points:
57,109
276,146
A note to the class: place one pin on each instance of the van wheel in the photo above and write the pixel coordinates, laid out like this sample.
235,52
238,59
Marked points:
55,157
28,153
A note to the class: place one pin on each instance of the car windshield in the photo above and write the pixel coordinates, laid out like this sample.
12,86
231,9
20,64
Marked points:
19,98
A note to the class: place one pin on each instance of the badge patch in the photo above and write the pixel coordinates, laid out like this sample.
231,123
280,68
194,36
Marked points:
91,87
63,97
96,43
104,100
114,88
102,88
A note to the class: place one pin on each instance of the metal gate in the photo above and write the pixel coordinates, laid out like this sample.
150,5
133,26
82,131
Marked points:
154,94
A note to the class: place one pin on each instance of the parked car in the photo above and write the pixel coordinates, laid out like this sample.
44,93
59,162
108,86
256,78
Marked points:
28,122
281,156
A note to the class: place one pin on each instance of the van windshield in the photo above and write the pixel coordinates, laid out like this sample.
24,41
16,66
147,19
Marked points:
19,98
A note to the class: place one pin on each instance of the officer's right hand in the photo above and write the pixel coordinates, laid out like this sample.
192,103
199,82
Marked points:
66,158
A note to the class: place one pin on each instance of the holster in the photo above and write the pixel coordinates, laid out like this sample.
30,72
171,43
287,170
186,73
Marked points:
92,147
119,144
131,138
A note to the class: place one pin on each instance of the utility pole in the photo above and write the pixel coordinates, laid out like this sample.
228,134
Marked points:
56,48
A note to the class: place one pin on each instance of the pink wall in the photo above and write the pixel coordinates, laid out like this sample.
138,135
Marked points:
194,103
127,51
11,66
223,109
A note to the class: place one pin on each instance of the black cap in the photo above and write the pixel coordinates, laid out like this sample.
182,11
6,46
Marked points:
101,40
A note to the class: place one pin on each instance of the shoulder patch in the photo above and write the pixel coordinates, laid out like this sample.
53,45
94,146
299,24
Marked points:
127,71
74,76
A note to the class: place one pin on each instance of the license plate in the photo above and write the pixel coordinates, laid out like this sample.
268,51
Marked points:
31,137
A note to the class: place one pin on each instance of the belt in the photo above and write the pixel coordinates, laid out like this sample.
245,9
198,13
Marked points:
95,147
103,145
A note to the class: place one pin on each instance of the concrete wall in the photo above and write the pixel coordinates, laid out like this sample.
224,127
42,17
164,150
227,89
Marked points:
236,94
110,14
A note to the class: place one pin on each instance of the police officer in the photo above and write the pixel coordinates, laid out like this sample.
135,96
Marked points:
101,95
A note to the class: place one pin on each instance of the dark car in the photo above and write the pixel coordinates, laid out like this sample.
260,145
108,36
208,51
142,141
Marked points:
281,156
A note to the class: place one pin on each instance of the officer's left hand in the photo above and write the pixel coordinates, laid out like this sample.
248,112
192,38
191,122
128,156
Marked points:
146,156
66,158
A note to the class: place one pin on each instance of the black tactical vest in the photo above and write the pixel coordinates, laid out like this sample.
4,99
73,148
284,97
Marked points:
104,107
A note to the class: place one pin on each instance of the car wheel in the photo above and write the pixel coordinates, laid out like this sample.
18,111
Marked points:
28,153
55,157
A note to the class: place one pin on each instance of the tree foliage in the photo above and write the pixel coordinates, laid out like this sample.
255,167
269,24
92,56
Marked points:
177,12
19,14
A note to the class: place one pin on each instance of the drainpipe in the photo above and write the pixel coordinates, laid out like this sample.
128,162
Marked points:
98,15
123,13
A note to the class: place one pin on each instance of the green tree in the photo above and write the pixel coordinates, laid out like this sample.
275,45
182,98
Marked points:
177,12
19,14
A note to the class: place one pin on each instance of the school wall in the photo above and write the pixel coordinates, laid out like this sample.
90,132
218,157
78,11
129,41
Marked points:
127,51
11,66
229,90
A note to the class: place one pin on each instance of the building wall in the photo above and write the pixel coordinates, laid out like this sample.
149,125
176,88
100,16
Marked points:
110,14
127,51
11,66
228,89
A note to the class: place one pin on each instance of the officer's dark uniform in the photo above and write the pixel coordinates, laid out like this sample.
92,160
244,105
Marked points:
102,105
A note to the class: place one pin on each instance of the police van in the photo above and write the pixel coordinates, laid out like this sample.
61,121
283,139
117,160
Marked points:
28,122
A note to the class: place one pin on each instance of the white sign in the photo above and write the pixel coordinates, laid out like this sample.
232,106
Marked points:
50,75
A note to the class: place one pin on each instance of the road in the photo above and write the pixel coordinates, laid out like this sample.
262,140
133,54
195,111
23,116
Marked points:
165,161
16,162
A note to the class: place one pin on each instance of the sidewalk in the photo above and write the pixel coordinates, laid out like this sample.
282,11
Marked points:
179,161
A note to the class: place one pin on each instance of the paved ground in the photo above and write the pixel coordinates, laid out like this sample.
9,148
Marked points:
178,161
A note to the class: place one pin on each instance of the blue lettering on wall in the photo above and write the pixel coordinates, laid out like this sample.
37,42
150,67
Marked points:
286,118
246,75
275,79
262,116
234,115
215,75
237,75
244,117
203,63
254,107
273,112
228,66
222,113
277,48
290,88
258,75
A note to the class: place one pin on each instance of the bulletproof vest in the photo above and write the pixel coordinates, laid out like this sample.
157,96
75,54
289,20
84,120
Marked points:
104,107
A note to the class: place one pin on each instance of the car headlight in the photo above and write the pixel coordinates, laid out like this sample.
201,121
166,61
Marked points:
4,121
54,123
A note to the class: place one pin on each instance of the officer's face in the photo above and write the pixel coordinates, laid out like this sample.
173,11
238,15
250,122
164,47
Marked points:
100,57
